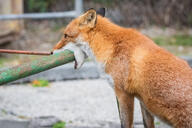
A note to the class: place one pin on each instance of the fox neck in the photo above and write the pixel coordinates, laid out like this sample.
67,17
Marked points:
101,39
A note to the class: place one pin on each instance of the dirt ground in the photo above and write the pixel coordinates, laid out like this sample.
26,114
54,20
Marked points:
80,103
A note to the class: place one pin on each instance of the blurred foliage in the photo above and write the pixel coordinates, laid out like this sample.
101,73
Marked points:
157,123
2,61
137,13
8,61
59,125
142,13
190,19
38,5
40,83
185,40
105,2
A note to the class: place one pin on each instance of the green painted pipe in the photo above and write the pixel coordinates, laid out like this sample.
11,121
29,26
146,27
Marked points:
36,66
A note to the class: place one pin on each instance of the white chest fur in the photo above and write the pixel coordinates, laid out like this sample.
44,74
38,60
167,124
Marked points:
85,47
101,67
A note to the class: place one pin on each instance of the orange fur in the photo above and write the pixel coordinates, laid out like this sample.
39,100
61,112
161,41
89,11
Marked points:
161,81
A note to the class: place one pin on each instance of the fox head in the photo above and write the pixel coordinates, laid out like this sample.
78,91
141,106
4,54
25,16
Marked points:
79,28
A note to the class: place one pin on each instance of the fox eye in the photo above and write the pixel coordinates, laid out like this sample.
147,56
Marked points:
65,35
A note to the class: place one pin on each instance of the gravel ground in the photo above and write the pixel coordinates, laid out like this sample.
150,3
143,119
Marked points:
80,103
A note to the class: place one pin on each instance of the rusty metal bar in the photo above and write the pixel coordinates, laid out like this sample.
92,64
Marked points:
36,66
24,52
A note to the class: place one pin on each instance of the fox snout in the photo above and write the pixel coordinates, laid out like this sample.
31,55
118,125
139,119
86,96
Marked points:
63,42
59,45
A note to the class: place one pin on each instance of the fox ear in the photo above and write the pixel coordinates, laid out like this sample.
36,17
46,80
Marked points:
89,18
101,12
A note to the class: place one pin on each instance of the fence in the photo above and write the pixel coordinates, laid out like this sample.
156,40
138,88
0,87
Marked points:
74,13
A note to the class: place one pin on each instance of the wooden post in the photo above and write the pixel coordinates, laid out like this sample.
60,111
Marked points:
10,29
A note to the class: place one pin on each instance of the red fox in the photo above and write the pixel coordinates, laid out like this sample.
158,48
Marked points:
138,67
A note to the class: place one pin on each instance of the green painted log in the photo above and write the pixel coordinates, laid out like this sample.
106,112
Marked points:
36,66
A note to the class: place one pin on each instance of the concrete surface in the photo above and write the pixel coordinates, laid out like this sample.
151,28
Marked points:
80,103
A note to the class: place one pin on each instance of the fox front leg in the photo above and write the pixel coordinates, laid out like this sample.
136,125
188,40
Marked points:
126,108
78,53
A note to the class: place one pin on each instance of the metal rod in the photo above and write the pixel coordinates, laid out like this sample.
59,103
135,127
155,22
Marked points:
78,7
39,15
24,52
36,66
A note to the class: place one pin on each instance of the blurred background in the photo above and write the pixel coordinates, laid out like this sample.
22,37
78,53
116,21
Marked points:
85,101
168,23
